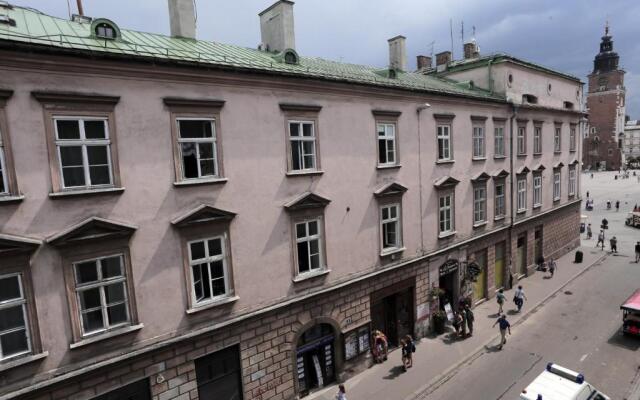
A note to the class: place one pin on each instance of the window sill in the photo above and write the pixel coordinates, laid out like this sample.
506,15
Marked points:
215,303
445,161
304,277
537,206
479,224
105,336
11,198
445,235
499,157
499,218
557,152
572,150
478,158
393,251
195,182
21,360
537,154
521,155
521,211
556,199
304,173
86,192
394,166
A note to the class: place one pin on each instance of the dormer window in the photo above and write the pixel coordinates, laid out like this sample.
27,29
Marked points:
104,29
290,57
529,98
6,20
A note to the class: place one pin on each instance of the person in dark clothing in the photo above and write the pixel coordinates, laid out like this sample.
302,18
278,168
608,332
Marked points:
617,205
470,319
552,267
504,327
637,251
613,242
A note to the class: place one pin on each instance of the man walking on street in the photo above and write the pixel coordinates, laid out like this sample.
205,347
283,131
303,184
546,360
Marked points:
504,327
617,205
589,232
637,251
500,297
470,319
600,239
613,242
552,266
519,298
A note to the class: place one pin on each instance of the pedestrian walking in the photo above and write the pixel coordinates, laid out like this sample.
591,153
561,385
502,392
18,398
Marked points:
412,349
552,266
470,319
608,204
587,194
406,351
500,297
457,320
617,205
589,232
600,239
463,323
519,298
637,252
613,242
342,393
504,326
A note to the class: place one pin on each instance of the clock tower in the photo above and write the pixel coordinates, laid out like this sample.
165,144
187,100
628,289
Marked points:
606,107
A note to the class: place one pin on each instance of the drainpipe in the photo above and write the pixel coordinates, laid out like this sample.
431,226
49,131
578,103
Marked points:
514,114
489,77
419,109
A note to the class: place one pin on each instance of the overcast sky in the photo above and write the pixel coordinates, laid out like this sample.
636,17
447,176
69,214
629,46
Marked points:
561,34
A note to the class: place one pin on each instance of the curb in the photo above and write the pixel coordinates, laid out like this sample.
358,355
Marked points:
442,378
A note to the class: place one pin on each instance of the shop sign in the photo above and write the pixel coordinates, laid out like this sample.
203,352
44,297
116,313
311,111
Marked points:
448,267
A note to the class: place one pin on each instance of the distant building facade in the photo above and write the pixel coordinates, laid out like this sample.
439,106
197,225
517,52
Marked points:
187,219
631,141
606,107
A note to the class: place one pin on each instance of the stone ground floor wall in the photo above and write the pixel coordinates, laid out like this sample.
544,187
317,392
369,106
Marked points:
267,343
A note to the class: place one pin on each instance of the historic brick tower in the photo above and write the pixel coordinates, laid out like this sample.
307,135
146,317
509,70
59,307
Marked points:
606,107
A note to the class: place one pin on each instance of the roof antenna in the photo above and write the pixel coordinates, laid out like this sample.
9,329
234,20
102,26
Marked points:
606,27
80,10
451,32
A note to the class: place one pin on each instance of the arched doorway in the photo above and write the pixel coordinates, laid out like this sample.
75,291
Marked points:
315,358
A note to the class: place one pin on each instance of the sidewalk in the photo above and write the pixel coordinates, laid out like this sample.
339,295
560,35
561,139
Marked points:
436,356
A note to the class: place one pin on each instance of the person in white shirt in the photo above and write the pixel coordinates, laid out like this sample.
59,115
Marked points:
342,393
519,297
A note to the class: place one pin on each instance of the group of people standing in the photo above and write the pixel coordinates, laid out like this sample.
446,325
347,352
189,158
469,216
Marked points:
463,319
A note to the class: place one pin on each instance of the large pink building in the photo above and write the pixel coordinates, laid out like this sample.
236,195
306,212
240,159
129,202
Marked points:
180,217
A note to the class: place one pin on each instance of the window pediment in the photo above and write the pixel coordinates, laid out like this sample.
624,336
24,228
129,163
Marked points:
557,165
203,214
539,168
390,189
574,162
523,170
11,244
500,174
480,177
305,201
91,229
446,182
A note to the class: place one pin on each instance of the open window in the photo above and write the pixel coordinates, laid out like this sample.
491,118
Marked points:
389,199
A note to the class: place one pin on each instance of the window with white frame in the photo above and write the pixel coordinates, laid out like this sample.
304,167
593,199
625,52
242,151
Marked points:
556,185
14,331
572,138
302,139
209,275
387,144
309,246
522,194
83,147
198,148
499,199
390,219
4,184
498,138
101,292
537,190
556,139
572,181
445,216
444,143
522,140
478,142
537,140
479,204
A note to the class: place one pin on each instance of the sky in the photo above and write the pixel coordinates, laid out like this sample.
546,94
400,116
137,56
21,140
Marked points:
560,34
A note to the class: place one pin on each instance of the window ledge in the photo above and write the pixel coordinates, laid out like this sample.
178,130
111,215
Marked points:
499,157
445,235
393,251
195,182
305,173
304,277
18,361
499,218
537,154
521,155
445,161
572,151
11,198
521,211
394,166
537,206
556,199
212,304
479,224
478,158
105,336
557,152
86,192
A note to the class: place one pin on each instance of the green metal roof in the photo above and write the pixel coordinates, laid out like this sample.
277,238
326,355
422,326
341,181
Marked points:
37,29
461,65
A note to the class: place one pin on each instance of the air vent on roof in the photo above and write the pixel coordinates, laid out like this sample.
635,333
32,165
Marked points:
5,20
288,56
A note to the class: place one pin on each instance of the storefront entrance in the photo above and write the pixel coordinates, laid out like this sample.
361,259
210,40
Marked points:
480,285
538,249
521,254
315,358
392,311
449,282
499,266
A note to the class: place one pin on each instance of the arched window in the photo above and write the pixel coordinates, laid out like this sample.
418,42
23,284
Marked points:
104,29
290,57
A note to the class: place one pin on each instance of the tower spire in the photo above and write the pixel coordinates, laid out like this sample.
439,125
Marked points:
606,27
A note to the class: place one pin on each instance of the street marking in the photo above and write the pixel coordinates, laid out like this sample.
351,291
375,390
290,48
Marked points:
584,357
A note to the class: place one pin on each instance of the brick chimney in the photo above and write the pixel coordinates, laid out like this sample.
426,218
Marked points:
398,53
423,62
182,18
442,59
276,27
471,50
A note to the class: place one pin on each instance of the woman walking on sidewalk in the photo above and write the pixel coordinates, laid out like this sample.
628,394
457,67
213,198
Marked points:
342,393
406,353
552,266
500,297
519,298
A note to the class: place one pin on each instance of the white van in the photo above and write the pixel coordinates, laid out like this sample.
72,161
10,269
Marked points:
559,383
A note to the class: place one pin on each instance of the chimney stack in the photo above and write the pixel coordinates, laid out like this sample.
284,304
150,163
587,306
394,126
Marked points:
471,50
182,18
424,63
276,27
442,59
398,53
